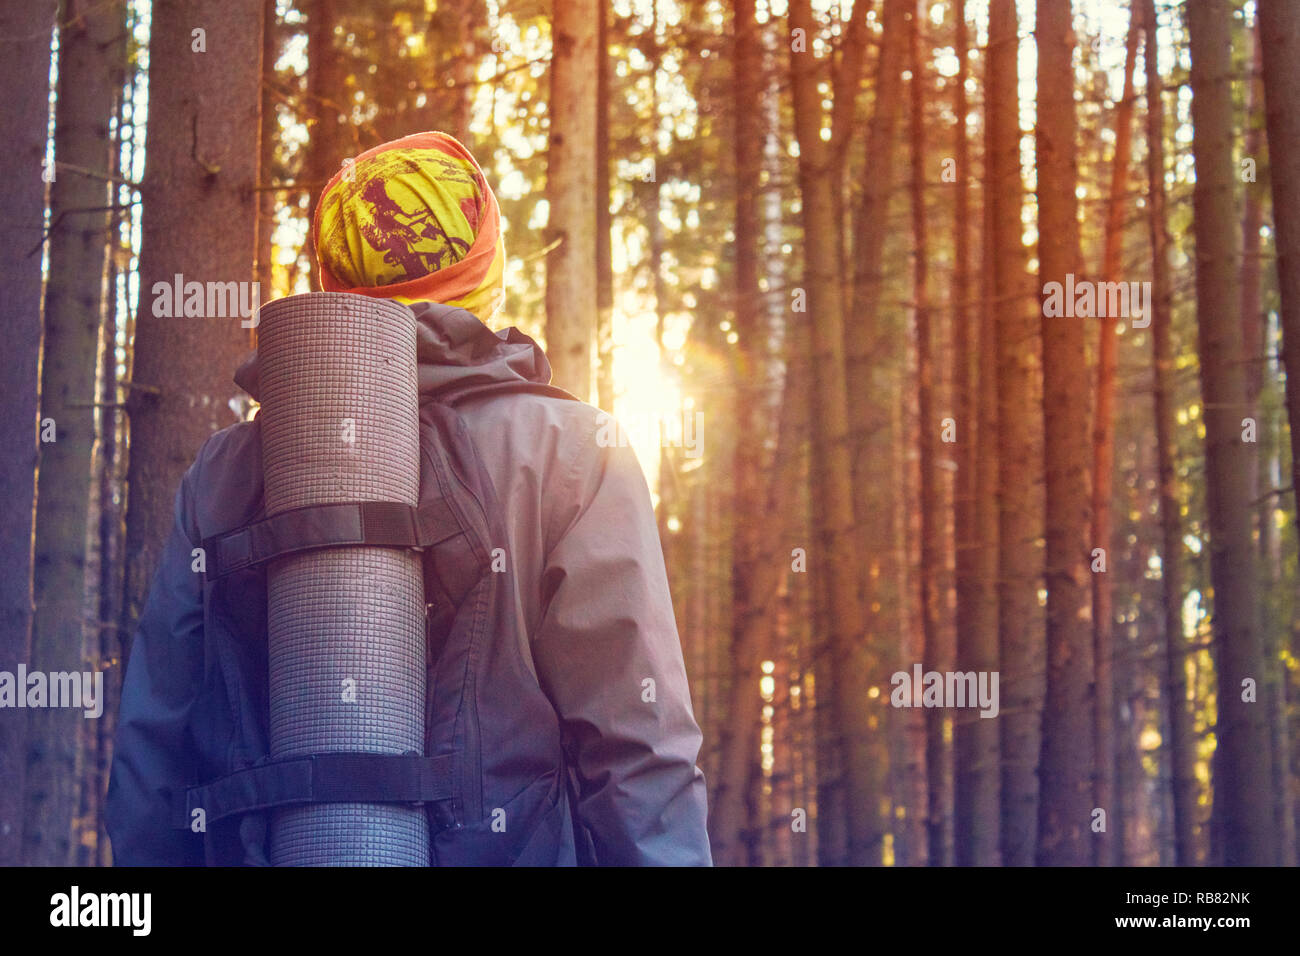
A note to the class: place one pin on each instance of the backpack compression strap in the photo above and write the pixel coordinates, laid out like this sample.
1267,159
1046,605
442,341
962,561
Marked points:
383,524
317,778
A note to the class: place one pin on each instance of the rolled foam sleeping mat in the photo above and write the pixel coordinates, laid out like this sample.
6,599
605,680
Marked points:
340,422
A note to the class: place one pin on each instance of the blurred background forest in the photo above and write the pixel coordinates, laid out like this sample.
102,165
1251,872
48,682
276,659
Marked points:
809,248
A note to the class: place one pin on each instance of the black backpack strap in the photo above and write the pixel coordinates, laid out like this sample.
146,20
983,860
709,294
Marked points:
386,524
318,778
383,524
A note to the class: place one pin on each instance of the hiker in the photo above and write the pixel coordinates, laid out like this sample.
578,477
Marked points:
587,733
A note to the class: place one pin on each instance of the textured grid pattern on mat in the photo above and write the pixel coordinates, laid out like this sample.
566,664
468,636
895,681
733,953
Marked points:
346,614
350,834
343,613
326,360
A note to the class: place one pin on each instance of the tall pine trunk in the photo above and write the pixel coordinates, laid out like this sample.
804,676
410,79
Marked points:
92,62
837,555
975,739
1243,798
455,32
1182,741
267,198
864,351
736,821
1065,801
25,71
1252,317
1256,344
604,223
571,193
199,222
734,840
1018,526
964,383
909,790
936,656
330,127
1106,844
1279,34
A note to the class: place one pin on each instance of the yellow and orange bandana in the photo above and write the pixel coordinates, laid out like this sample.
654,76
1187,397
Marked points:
413,220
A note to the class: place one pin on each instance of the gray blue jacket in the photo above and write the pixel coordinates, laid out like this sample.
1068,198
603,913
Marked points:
562,727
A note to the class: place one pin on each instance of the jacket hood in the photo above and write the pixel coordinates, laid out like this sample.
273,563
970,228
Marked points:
454,350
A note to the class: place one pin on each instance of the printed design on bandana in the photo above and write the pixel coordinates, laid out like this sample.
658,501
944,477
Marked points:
416,214
413,220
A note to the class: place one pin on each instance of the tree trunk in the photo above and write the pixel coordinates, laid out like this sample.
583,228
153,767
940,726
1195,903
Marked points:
1065,801
92,51
935,654
1018,526
1253,336
846,79
910,790
668,458
1243,800
966,780
200,223
111,535
1106,845
456,29
850,674
734,817
1182,741
571,193
736,821
832,818
868,218
1279,35
985,653
28,29
329,124
604,224
975,739
867,410
267,199
1252,317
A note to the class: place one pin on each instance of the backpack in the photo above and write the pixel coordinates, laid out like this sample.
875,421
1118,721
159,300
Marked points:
494,778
